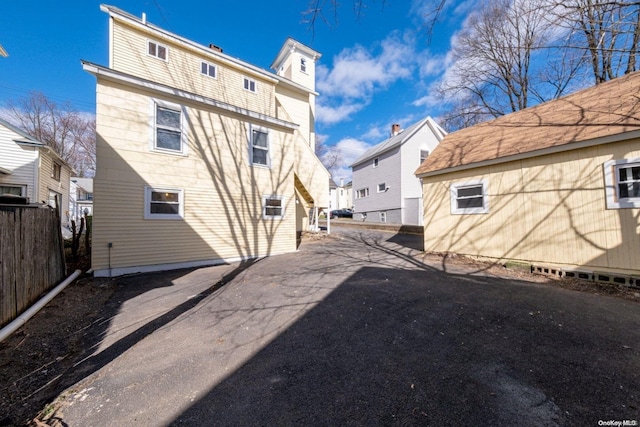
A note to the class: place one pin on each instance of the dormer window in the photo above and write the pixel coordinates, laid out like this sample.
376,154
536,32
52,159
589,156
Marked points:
208,69
303,65
157,50
250,85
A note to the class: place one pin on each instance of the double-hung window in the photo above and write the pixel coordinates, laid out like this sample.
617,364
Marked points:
376,162
157,50
272,207
469,198
259,145
249,84
208,69
303,65
622,180
423,155
163,203
168,133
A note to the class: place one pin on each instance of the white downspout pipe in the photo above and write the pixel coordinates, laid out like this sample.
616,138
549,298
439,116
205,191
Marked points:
22,319
329,222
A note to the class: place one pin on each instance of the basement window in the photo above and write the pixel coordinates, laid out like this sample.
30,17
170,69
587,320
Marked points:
469,198
622,183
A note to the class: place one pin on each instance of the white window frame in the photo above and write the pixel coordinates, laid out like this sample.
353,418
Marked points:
262,129
148,190
264,207
383,217
209,66
155,103
376,162
484,209
303,64
56,171
382,187
157,46
365,191
611,168
423,155
250,85
22,188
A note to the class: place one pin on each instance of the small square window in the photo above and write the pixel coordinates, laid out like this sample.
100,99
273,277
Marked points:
272,207
208,69
249,85
469,198
157,50
376,162
622,180
382,187
163,203
56,171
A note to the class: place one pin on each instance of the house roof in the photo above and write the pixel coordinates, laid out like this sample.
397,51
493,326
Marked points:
399,139
85,183
292,44
26,139
600,114
116,12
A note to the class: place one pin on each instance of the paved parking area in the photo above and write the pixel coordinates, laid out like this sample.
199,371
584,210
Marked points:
357,329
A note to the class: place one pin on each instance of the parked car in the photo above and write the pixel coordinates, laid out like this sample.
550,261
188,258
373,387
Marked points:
341,213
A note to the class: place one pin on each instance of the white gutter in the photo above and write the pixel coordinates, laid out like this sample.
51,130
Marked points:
22,319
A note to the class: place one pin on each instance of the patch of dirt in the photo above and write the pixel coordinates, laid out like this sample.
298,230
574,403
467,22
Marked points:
35,360
597,288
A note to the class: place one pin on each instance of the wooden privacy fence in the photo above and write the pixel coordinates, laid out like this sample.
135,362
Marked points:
31,257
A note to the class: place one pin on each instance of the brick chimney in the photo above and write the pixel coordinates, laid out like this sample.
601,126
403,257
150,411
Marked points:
215,47
395,129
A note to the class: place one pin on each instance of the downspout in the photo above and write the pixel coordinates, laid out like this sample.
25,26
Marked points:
329,222
22,319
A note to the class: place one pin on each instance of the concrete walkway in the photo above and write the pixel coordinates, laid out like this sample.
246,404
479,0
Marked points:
355,329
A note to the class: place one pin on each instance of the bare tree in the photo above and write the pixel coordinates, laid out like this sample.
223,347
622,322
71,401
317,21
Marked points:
608,31
68,132
495,71
330,156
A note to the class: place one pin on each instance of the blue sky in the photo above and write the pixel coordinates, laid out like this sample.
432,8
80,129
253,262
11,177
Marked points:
375,70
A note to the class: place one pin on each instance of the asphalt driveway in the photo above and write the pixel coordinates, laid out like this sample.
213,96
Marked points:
357,329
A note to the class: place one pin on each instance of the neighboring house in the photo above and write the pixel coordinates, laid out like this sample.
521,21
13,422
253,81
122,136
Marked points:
385,188
31,169
80,198
201,158
556,185
340,196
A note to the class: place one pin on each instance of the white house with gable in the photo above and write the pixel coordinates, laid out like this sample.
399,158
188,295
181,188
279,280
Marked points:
385,188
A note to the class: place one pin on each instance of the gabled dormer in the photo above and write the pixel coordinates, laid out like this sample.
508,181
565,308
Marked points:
297,63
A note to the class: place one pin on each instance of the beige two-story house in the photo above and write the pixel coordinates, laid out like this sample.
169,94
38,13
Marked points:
201,158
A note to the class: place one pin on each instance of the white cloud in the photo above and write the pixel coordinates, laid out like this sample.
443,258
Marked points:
350,149
356,73
330,115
